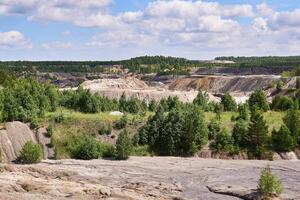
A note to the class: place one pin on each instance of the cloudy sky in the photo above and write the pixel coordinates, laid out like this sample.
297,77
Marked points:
118,29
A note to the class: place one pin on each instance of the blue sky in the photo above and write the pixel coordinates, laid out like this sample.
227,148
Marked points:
118,29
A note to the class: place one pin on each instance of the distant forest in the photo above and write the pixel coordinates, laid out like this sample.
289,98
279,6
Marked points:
146,64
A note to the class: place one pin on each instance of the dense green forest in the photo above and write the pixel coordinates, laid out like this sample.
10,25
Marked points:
145,64
267,61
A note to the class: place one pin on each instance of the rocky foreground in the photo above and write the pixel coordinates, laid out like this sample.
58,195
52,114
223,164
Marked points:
143,178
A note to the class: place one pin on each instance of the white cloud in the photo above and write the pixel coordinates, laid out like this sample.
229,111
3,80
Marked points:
14,40
204,25
57,45
264,10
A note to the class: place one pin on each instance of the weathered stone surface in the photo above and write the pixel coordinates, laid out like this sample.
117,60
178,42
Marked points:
45,143
288,156
143,178
234,190
13,138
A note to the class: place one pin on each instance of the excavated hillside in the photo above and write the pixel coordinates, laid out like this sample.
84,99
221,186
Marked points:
114,88
222,84
186,88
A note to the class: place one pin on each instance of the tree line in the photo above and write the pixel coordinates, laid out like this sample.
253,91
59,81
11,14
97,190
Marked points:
182,130
144,64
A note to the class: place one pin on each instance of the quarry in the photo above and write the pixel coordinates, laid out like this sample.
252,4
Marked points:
206,175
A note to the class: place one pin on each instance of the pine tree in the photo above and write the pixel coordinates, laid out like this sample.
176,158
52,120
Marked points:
195,133
257,135
228,102
292,121
239,132
123,146
282,140
201,100
258,99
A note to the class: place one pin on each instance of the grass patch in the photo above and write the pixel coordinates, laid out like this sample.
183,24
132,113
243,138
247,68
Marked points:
274,119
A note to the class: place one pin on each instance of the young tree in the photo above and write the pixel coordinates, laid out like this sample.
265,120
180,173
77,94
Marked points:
223,142
239,133
257,135
195,133
123,146
228,102
169,136
153,105
268,186
292,121
201,100
214,128
258,99
282,140
298,83
244,112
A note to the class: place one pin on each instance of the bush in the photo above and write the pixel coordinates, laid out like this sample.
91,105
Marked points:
84,147
214,128
258,99
122,123
141,151
228,102
223,142
283,103
59,118
31,153
105,130
298,83
49,131
279,85
282,140
108,150
269,186
123,146
239,132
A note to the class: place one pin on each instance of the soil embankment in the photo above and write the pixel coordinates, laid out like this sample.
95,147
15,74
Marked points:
222,84
114,88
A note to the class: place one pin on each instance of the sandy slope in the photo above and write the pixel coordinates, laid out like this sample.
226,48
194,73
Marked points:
140,178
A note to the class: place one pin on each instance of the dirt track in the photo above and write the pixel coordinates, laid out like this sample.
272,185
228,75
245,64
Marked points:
140,178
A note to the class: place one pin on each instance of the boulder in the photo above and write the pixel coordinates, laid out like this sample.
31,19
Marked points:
234,190
13,138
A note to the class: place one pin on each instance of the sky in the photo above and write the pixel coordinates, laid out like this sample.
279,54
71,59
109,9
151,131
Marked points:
120,29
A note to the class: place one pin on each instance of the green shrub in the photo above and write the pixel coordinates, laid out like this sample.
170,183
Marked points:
239,132
108,150
228,102
141,151
59,118
49,131
105,130
214,128
279,85
223,142
269,186
258,99
123,146
122,123
298,83
84,147
282,140
31,153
